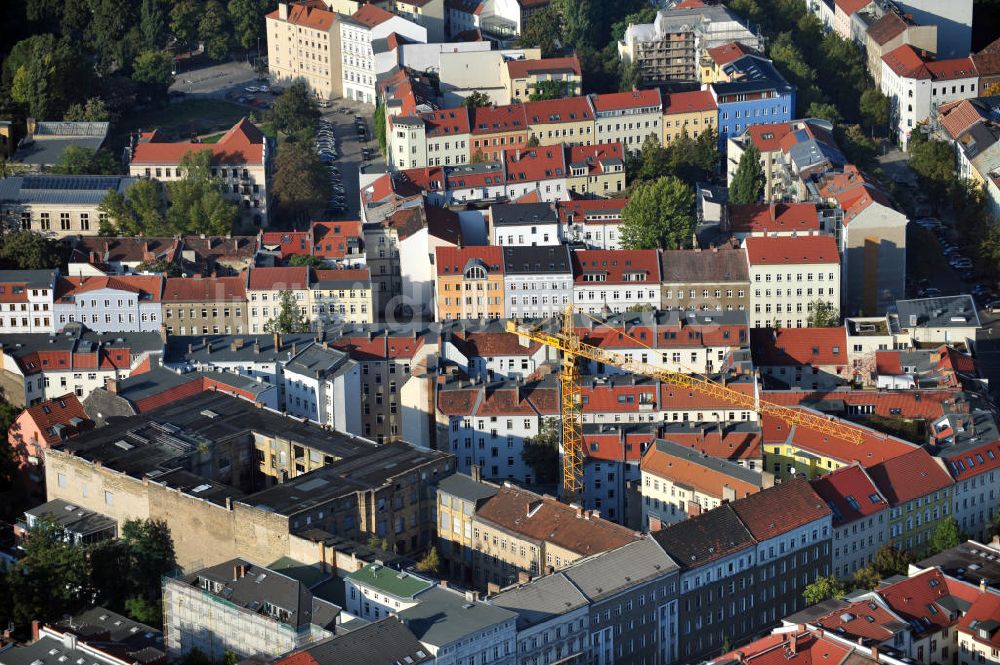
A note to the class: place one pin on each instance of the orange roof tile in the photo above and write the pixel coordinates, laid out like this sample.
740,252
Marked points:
519,69
615,101
723,55
452,260
850,493
774,217
310,14
688,102
553,111
615,264
780,509
798,250
662,461
495,119
242,144
59,411
204,289
275,279
908,476
371,15
149,285
768,138
799,346
535,164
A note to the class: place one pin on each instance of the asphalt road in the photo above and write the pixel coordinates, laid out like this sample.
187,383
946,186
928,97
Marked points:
216,80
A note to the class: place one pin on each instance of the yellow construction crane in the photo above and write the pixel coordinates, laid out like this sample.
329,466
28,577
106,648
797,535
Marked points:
567,341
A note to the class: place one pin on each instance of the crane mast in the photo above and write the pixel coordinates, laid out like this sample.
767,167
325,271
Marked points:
568,342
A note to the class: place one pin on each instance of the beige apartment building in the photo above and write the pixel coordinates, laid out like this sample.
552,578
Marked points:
521,77
303,43
264,289
204,305
342,296
57,206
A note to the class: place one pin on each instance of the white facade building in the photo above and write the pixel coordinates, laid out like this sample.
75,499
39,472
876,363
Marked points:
357,32
788,274
538,281
324,385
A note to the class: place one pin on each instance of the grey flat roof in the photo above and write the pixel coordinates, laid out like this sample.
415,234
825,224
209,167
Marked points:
537,259
464,487
540,600
72,518
944,312
607,573
69,189
35,279
49,651
443,616
231,348
507,214
319,361
970,561
98,620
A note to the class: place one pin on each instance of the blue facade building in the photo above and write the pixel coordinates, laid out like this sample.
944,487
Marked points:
756,94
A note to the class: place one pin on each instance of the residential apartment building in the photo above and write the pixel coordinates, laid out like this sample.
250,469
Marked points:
917,85
616,280
716,279
767,138
265,287
483,349
58,206
883,31
497,128
679,482
128,303
303,44
522,77
972,465
691,113
756,95
567,122
238,607
538,281
435,138
342,296
375,591
787,276
551,619
860,517
595,170
627,117
322,384
200,305
27,301
611,477
714,60
807,358
427,13
40,427
593,222
524,225
470,283
241,160
357,32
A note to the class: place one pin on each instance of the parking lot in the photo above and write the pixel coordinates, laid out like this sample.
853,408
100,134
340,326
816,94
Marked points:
350,146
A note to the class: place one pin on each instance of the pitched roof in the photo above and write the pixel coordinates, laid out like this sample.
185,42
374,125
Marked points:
616,101
615,264
704,538
904,61
723,265
543,519
59,418
799,346
385,642
768,138
780,509
957,116
926,600
311,14
446,122
849,493
798,250
274,279
773,218
596,211
726,53
982,621
371,15
706,475
953,68
519,69
691,101
453,260
551,111
204,289
535,164
493,119
242,144
850,7
147,287
484,344
909,476
886,28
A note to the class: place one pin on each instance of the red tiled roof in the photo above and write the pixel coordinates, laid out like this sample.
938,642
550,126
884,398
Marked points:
492,344
371,15
688,102
888,362
732,444
985,609
863,620
850,7
775,649
591,210
909,476
59,411
148,285
874,448
616,101
359,276
678,398
768,138
850,493
615,264
974,461
242,144
911,598
796,250
774,217
535,164
519,69
330,239
288,243
689,4
662,462
814,347
495,119
886,28
452,260
379,347
723,55
904,61
311,14
544,519
954,68
204,289
780,509
458,402
553,111
276,279
617,445
446,122
595,156
618,398
956,117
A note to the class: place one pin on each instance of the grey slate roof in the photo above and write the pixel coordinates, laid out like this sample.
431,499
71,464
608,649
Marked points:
231,348
35,279
385,642
944,312
605,574
537,259
507,214
693,456
72,518
444,616
49,651
67,189
141,642
687,265
320,362
704,538
256,585
757,74
464,487
540,600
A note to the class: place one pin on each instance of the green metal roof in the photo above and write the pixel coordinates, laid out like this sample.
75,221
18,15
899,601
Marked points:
399,584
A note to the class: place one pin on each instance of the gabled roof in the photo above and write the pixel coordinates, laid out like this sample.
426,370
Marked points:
275,279
616,101
850,7
535,164
773,218
371,15
706,475
768,138
519,69
242,144
780,509
798,250
147,287
691,101
615,264
553,111
723,55
982,621
311,14
494,119
385,642
887,28
850,494
596,211
721,265
906,477
704,538
799,346
454,260
59,418
205,289
446,122
926,601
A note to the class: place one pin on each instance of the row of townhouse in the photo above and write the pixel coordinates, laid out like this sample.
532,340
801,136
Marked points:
803,167
969,126
41,301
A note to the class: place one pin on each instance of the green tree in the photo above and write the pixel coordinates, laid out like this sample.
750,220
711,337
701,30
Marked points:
78,160
151,555
476,100
114,34
631,77
748,182
197,204
822,314
874,107
889,561
549,90
184,21
247,18
300,181
542,30
659,215
645,15
303,260
533,142
541,452
946,535
153,71
27,250
214,30
824,111
856,146
933,161
378,120
994,526
289,319
94,109
144,611
577,28
866,578
295,112
47,75
430,563
153,24
823,588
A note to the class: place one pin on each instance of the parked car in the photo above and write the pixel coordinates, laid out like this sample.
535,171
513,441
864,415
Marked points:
930,293
993,306
251,89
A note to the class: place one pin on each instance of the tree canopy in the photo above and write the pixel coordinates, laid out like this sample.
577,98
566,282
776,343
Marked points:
542,30
300,183
748,182
659,215
289,318
78,160
476,100
823,588
27,250
822,314
541,452
946,535
295,112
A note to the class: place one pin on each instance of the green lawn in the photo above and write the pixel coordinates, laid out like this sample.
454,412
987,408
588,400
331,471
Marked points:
214,138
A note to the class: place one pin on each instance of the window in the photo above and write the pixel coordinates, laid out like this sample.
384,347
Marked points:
109,498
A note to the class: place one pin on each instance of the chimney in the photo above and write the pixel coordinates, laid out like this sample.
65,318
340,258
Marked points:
793,641
163,333
293,348
111,385
579,510
875,652
68,641
477,473
277,341
35,625
982,585
283,11
239,570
